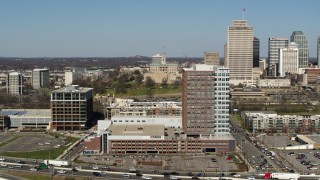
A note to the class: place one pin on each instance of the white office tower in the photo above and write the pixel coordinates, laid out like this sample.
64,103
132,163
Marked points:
240,52
15,83
301,39
289,59
159,58
40,78
73,75
275,44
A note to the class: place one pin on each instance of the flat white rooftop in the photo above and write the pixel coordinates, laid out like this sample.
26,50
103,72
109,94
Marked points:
136,130
26,112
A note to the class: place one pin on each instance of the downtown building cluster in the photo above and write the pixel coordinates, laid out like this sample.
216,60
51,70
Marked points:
198,124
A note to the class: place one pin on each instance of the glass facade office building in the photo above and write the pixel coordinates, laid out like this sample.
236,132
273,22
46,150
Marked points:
299,38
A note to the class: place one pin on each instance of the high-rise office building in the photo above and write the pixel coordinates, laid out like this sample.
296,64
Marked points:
15,83
275,44
299,38
205,100
211,58
318,51
256,52
40,78
240,52
289,59
71,108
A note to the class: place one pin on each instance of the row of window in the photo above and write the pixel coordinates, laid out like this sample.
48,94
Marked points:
128,121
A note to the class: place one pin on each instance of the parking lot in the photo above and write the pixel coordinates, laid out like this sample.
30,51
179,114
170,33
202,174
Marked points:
5,137
201,163
304,161
32,142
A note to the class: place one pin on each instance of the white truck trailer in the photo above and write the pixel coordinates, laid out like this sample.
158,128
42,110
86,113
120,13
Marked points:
56,163
284,176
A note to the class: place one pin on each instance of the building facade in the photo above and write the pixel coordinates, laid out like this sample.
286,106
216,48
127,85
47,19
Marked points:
289,60
73,75
274,46
205,99
260,121
240,52
211,58
4,121
71,107
15,84
274,83
299,38
40,78
156,139
256,52
28,118
312,75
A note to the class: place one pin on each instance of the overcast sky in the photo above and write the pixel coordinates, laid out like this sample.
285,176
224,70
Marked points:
113,28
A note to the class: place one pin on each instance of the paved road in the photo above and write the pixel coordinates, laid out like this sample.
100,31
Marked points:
250,151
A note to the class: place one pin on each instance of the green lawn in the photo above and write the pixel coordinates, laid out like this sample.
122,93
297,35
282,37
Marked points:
42,154
143,91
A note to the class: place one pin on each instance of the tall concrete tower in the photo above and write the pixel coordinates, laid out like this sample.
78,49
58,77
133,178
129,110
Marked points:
40,78
299,38
15,83
240,52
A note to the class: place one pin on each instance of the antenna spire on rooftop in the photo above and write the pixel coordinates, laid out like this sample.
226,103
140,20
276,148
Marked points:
243,13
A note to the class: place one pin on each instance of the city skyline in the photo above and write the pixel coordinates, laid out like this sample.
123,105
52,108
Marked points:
127,28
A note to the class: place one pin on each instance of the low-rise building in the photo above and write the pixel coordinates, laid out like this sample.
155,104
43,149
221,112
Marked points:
270,121
92,145
127,107
274,83
312,75
4,121
28,118
157,139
